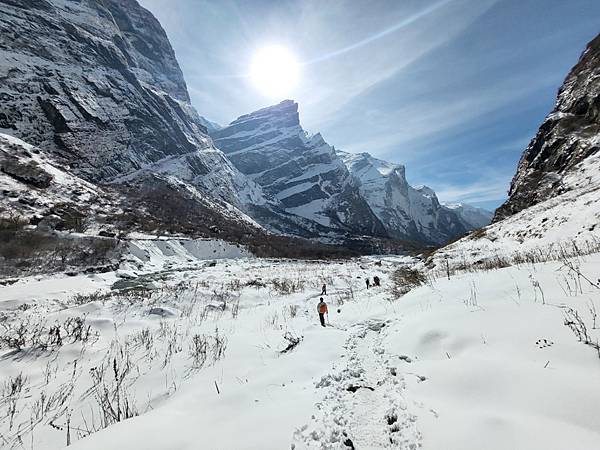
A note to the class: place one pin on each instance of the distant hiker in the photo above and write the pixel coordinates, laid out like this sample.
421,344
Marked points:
324,290
376,281
322,310
368,283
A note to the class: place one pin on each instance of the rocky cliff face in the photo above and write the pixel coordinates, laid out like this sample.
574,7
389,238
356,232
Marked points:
569,135
302,172
406,212
95,83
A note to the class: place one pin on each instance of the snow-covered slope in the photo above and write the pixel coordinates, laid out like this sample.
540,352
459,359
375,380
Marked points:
96,85
554,206
302,172
567,224
33,184
569,135
34,187
406,212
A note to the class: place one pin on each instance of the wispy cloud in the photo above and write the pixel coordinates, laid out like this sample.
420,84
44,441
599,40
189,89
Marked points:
477,192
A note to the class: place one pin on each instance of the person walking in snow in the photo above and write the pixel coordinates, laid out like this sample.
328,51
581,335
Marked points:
322,310
324,290
376,281
368,283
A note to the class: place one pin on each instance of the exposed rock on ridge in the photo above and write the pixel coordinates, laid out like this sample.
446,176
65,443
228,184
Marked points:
569,135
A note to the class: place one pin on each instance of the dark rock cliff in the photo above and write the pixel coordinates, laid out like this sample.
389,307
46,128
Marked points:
568,135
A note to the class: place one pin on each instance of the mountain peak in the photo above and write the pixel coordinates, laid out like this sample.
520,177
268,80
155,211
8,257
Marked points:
281,115
426,190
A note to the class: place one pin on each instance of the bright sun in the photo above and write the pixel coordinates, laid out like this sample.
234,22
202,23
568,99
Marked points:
275,71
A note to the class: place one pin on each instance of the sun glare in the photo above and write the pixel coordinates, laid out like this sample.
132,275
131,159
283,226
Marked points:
275,71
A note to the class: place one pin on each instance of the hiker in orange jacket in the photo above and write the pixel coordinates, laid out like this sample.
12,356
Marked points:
322,310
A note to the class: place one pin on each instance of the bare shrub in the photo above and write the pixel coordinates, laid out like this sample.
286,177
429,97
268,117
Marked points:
144,339
293,310
15,335
575,322
220,345
111,382
35,334
593,313
221,297
478,234
11,393
202,347
257,283
198,350
235,308
76,329
83,299
404,280
292,341
172,337
286,286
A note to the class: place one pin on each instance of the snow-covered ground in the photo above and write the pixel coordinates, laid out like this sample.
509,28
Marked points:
564,224
194,352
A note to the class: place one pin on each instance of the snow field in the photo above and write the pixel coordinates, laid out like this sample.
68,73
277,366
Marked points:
480,361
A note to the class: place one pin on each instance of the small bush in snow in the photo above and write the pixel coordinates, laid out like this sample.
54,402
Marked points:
478,234
293,310
14,335
404,280
286,286
575,322
198,350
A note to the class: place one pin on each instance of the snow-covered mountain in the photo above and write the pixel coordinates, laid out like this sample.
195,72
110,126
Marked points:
472,216
405,211
351,192
302,172
569,135
96,85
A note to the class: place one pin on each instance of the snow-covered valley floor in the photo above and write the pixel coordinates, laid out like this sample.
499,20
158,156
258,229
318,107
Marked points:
483,360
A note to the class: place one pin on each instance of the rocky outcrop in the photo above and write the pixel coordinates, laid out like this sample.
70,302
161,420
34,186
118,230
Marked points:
301,172
569,135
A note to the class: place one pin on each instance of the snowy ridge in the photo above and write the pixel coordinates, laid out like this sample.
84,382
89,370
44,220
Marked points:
406,212
562,224
32,184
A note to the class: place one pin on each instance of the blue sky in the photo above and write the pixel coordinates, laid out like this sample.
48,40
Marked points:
453,89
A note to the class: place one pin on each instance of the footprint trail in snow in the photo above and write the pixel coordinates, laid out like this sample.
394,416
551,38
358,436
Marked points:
361,404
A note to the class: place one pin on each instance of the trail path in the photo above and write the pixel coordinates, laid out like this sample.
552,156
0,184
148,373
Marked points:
361,402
